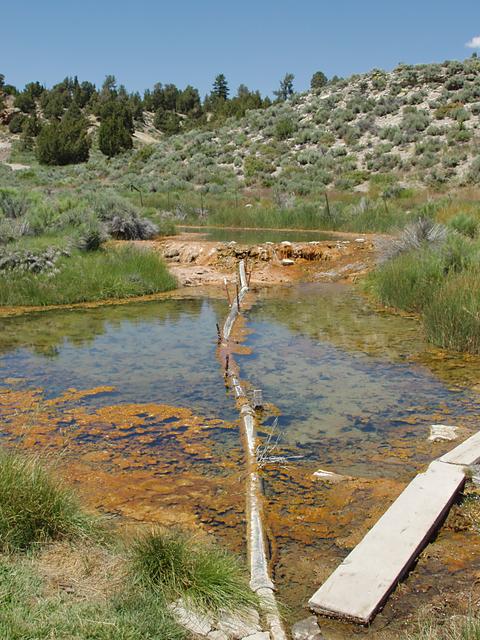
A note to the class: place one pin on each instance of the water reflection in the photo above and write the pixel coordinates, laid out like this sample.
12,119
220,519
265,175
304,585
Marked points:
335,367
150,352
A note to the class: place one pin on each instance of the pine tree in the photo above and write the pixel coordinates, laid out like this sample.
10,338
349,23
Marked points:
286,87
220,87
319,80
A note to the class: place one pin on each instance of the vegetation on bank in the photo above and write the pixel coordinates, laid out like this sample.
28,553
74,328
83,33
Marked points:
466,627
435,273
109,273
53,251
109,587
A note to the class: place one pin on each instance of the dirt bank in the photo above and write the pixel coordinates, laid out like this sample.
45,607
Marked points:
196,261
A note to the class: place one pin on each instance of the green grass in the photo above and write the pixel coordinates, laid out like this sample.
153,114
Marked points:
452,316
457,628
408,281
208,578
442,284
31,611
84,277
36,507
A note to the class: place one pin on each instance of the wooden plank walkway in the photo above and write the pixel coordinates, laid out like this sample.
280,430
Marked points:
362,583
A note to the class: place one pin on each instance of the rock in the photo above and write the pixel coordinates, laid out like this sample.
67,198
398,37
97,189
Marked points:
440,432
217,635
192,621
287,262
307,629
261,635
171,252
360,240
286,243
248,206
240,626
328,475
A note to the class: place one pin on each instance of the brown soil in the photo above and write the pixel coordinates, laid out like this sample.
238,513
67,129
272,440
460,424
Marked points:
197,262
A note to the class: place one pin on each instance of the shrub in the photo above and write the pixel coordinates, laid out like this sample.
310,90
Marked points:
113,136
131,227
13,204
285,128
35,507
90,236
466,224
206,577
64,142
17,122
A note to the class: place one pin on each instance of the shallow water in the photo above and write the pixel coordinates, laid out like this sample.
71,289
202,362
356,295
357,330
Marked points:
151,352
257,236
356,392
336,368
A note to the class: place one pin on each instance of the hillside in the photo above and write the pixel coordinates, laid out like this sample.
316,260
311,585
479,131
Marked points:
418,123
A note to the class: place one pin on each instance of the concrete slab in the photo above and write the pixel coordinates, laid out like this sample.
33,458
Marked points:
361,584
466,453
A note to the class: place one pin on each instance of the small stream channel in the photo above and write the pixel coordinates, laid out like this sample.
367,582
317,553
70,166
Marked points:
355,391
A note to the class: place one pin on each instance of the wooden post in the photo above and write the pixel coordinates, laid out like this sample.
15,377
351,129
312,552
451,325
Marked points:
329,213
227,362
228,293
219,334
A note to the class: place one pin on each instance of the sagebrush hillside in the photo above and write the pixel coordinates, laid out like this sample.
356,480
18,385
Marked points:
417,124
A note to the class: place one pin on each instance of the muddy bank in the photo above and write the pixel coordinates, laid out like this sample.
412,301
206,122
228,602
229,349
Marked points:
196,261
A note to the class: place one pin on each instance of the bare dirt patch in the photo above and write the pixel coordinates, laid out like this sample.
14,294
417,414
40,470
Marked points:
197,261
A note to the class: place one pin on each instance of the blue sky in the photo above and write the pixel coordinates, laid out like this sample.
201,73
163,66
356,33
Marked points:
189,42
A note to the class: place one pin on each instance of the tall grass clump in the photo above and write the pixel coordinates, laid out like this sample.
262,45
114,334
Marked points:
409,280
84,277
452,315
36,507
176,566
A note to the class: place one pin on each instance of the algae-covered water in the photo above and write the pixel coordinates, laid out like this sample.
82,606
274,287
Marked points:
136,394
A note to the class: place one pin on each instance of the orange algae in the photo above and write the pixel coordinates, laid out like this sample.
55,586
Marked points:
143,463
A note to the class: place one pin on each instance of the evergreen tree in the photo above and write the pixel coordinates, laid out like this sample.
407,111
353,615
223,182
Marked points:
220,87
319,80
116,128
167,122
286,87
64,142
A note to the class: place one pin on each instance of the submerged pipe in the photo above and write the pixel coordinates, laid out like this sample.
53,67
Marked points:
260,580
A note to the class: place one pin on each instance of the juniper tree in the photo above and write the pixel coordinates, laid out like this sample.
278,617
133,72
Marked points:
286,87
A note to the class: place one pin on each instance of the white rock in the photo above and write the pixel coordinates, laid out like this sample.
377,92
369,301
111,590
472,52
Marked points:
239,626
359,240
247,206
328,475
439,432
287,262
307,629
286,243
261,635
217,635
191,620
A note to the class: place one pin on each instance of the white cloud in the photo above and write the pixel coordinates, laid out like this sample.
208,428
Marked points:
474,43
